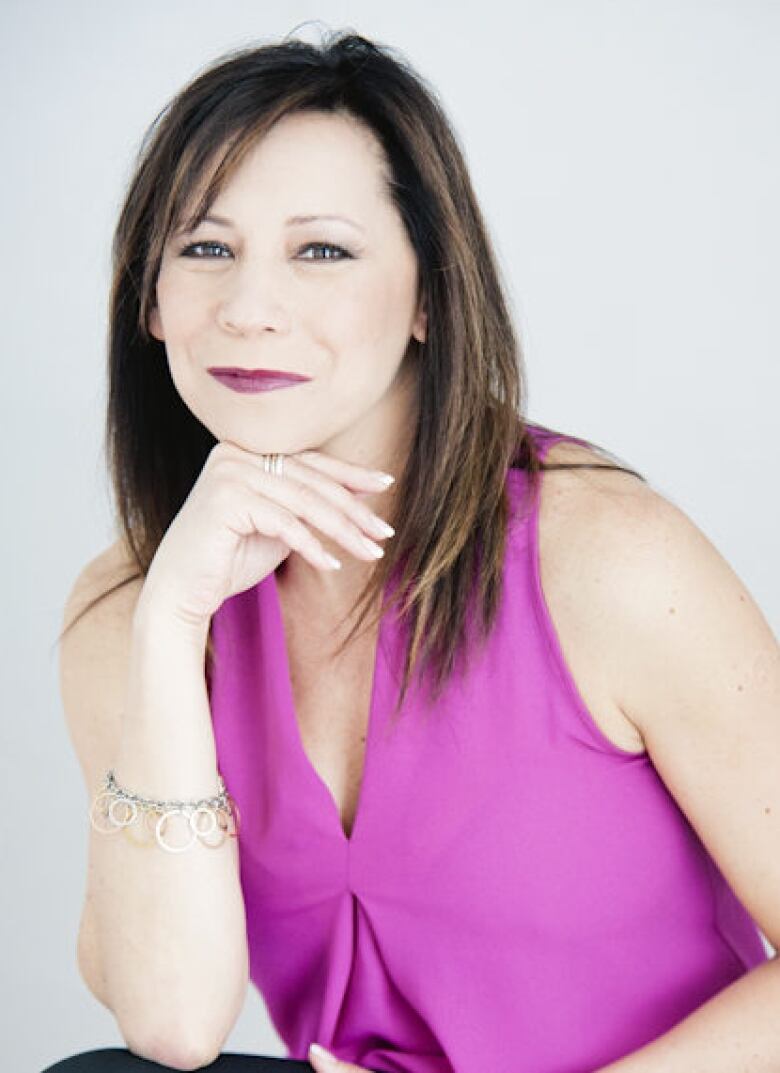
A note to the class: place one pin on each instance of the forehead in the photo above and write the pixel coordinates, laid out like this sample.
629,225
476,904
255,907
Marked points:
311,159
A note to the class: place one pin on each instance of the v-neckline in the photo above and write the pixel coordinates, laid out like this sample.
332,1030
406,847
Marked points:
292,725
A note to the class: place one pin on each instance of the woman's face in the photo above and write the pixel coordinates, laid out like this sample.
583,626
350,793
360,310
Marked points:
262,287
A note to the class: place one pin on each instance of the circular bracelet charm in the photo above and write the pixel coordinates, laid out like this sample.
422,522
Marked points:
114,809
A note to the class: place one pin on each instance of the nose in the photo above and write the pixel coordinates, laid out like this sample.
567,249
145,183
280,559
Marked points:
251,302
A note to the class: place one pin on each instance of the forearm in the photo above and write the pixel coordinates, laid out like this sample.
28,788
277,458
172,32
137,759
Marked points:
172,930
736,1031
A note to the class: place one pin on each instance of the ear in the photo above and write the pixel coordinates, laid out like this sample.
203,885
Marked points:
420,327
154,323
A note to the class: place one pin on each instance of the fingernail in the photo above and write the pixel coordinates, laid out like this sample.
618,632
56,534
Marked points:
371,547
319,1052
385,479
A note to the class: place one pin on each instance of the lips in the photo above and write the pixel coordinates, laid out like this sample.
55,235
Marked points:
253,381
256,374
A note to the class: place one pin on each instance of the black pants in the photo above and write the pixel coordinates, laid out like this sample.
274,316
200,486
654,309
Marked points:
120,1060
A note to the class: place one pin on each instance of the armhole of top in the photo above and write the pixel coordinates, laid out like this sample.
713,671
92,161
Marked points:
544,617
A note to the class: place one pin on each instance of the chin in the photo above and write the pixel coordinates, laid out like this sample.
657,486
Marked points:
257,444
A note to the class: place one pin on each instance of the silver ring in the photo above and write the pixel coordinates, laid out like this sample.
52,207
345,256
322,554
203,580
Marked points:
274,464
158,831
98,809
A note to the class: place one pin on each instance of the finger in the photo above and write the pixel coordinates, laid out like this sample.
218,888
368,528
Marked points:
325,1062
261,515
356,478
335,493
287,508
318,502
328,476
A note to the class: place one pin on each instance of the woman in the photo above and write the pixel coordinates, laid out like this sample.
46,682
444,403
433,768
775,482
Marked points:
500,827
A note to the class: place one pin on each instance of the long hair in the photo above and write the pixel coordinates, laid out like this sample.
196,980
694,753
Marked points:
470,376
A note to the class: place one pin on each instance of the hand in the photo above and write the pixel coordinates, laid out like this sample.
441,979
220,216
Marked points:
239,522
331,1064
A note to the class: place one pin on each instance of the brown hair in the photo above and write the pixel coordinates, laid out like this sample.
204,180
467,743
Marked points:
469,374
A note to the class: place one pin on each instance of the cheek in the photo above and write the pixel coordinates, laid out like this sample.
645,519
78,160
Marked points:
181,306
180,313
373,319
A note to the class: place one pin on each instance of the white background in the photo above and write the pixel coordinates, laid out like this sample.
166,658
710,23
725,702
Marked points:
626,158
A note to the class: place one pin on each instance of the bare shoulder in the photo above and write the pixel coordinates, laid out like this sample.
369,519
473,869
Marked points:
588,515
600,518
102,573
632,583
589,520
93,653
593,478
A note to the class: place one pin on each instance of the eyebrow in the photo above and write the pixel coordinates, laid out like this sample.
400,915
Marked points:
291,220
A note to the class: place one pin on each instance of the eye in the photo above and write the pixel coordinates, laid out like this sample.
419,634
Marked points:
330,252
188,251
339,250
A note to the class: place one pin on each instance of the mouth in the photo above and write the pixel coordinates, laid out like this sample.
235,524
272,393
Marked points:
273,374
253,380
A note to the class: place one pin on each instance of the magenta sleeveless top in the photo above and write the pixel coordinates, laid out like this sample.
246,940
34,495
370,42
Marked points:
517,893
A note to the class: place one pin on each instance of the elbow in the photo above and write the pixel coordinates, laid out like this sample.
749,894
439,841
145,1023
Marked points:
185,1031
171,1058
172,1050
185,1040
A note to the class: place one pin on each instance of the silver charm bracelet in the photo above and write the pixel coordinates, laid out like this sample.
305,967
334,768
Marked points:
115,809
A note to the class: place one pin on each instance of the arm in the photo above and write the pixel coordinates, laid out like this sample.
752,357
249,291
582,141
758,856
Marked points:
699,676
736,1031
163,938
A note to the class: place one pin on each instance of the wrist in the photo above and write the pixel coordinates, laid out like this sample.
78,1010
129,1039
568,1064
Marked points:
154,616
